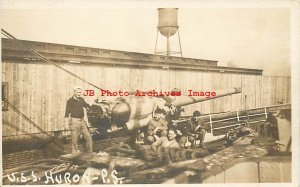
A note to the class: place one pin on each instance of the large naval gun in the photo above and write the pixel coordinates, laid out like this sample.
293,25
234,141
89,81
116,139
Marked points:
134,112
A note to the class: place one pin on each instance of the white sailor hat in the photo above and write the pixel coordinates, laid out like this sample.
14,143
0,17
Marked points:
77,87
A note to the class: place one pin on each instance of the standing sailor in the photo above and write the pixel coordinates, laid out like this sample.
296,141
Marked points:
76,120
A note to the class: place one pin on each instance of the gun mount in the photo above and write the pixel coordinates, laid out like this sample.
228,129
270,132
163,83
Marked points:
133,112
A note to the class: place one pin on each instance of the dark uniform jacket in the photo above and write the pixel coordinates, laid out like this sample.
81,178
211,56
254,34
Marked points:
194,125
75,107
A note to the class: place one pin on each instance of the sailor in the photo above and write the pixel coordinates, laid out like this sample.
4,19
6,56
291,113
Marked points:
159,147
196,130
76,120
270,126
169,141
182,135
157,127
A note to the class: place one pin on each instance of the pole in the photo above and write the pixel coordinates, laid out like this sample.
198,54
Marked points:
168,42
156,42
179,43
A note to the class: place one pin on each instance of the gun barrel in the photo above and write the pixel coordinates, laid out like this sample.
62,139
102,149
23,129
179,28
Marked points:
187,100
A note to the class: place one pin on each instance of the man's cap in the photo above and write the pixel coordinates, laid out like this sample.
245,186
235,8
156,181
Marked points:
196,113
158,111
77,87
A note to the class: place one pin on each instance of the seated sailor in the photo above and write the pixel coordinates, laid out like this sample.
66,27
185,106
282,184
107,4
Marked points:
169,141
196,130
157,127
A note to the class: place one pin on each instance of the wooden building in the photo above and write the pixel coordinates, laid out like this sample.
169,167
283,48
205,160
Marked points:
40,90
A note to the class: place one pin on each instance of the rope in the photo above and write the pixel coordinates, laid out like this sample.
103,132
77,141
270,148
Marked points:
29,171
9,171
8,35
28,167
77,171
48,160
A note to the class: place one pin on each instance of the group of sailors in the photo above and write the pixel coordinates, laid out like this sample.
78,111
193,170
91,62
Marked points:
159,132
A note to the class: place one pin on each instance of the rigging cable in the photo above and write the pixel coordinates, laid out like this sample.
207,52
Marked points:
7,34
34,124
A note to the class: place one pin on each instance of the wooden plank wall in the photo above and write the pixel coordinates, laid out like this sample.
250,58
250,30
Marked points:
40,91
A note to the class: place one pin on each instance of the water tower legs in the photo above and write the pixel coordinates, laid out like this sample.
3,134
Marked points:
179,43
167,26
168,51
168,43
156,41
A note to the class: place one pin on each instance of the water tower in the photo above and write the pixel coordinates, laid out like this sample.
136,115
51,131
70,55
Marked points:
167,26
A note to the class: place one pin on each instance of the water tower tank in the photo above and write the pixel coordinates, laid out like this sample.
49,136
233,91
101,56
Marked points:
167,25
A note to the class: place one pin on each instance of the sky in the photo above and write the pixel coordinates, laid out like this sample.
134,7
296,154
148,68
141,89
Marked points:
246,37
